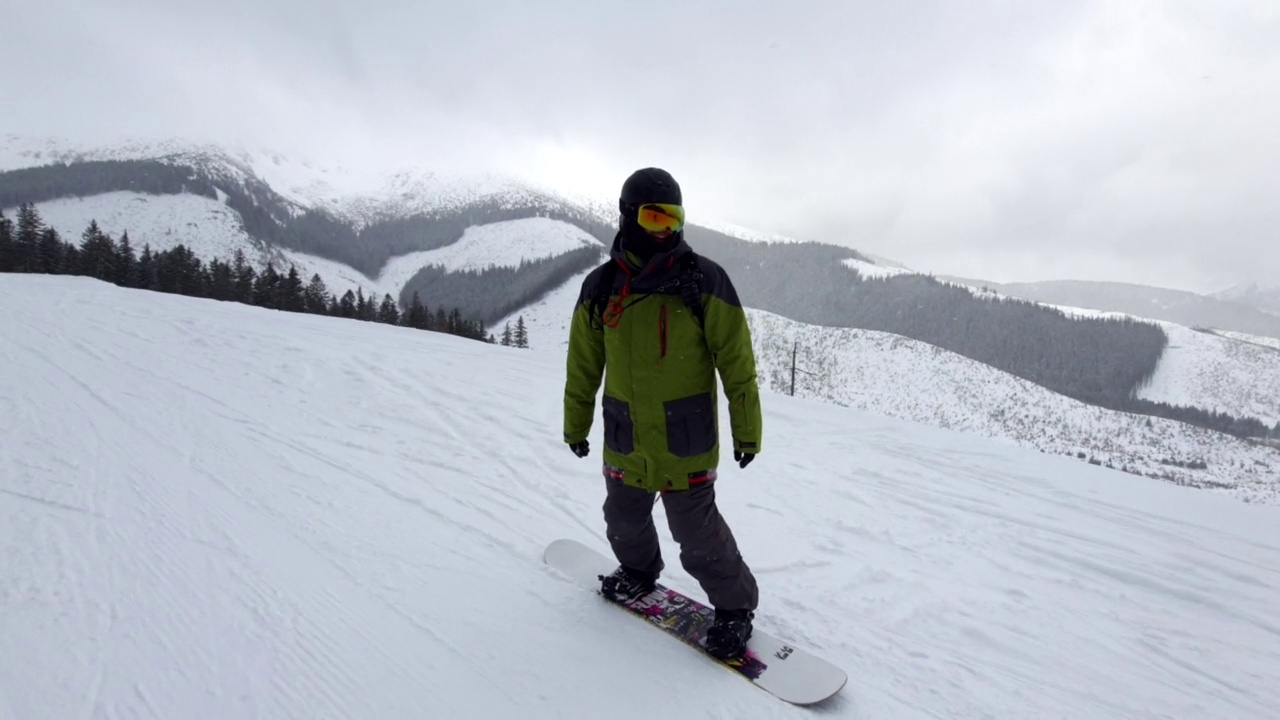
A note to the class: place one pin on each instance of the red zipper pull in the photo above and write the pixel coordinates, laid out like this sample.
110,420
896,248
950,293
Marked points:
662,331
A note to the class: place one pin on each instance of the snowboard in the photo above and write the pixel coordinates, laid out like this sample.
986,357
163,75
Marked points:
787,672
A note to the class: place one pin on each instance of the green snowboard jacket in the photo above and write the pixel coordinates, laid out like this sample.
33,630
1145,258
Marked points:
660,404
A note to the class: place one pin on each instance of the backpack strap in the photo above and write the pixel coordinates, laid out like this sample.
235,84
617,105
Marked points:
603,291
691,285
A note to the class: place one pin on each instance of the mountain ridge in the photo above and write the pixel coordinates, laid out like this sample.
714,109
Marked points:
817,284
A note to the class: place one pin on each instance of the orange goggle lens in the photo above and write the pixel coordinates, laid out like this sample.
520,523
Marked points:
656,217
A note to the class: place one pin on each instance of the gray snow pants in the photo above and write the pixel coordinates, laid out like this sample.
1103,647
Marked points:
708,551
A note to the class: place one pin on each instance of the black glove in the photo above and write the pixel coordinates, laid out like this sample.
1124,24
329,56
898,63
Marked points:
743,459
581,449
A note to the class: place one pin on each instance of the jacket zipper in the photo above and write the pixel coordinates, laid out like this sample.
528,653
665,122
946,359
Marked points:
662,332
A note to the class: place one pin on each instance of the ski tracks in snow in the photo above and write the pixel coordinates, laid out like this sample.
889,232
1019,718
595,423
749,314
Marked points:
208,510
966,587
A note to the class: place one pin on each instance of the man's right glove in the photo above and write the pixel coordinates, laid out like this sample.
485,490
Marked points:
581,449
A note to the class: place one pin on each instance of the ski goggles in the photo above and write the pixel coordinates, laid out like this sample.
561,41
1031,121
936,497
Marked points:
656,217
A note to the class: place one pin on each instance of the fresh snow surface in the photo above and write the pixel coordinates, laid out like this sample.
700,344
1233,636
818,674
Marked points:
209,510
1217,373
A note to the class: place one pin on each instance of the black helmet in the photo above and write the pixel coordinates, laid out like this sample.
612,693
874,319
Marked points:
650,185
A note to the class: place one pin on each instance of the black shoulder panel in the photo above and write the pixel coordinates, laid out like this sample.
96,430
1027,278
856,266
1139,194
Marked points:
715,281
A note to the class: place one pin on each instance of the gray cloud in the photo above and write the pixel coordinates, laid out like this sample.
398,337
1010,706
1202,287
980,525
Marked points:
1102,140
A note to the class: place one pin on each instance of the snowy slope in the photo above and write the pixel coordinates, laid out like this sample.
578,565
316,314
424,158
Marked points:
869,270
1253,339
547,320
903,378
1218,373
338,277
1221,371
500,244
207,227
212,230
209,510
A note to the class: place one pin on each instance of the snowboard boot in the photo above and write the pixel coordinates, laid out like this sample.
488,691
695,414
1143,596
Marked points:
626,584
727,637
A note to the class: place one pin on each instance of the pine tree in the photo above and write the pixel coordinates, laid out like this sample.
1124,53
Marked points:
222,281
347,306
97,253
49,252
522,333
7,248
416,316
181,272
266,291
315,297
245,276
126,262
292,294
27,238
506,335
366,309
148,270
389,312
441,321
69,260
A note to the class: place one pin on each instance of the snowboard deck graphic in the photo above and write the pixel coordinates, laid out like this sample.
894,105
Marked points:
787,672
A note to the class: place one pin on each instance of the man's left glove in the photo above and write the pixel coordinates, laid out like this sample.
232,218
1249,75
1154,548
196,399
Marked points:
743,459
581,449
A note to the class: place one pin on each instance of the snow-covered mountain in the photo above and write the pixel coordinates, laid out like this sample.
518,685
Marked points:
1264,298
1209,372
1176,306
209,510
212,229
354,195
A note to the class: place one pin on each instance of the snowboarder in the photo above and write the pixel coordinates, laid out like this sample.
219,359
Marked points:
657,322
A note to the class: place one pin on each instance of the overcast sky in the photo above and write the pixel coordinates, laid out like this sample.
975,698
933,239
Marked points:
1135,141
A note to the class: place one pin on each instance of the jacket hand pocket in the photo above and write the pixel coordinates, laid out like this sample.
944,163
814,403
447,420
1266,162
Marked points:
619,432
691,425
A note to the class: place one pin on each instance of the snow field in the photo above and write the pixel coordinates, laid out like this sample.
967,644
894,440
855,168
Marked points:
213,510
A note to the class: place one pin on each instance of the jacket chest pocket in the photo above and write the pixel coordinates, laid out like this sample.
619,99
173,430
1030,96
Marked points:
691,425
619,431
